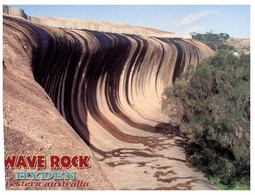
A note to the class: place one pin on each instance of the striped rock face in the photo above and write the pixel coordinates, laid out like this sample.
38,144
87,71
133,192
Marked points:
108,87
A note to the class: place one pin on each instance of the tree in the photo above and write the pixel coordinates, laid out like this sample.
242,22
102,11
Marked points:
215,41
213,110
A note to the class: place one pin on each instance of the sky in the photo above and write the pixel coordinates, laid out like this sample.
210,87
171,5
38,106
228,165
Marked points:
181,19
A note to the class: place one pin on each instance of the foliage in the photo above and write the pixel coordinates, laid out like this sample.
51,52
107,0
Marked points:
212,108
215,41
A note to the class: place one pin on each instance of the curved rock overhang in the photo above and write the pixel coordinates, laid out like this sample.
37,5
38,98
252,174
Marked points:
107,86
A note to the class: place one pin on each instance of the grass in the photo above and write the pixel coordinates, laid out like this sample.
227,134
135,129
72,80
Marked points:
238,185
243,184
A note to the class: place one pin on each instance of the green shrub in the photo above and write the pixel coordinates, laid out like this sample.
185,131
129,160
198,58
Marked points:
211,106
215,41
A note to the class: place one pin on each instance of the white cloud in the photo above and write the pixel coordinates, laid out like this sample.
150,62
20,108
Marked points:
193,18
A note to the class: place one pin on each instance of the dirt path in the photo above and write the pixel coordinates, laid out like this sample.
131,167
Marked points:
159,166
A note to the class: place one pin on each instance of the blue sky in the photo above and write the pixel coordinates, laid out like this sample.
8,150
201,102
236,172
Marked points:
182,19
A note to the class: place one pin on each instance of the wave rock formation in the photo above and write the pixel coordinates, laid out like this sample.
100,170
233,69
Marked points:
108,87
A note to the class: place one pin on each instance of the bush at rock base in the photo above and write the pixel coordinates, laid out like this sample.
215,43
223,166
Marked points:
211,106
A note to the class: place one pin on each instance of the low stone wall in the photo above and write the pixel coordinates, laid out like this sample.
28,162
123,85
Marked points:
14,11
